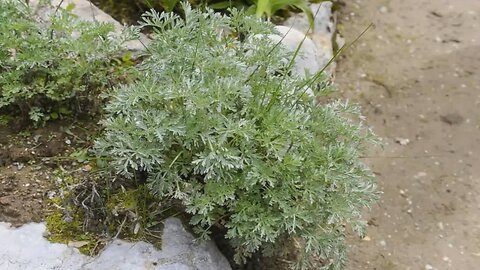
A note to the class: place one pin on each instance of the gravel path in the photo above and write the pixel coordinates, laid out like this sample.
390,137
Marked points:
417,77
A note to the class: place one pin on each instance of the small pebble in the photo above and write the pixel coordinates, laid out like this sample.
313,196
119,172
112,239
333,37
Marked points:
402,141
420,175
440,225
87,168
383,9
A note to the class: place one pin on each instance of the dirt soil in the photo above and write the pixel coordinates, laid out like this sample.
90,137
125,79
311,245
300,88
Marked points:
417,77
28,161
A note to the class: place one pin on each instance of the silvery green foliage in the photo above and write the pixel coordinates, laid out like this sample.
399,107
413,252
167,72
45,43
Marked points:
219,124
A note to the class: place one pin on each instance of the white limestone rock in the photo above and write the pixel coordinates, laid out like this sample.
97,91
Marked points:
306,60
25,248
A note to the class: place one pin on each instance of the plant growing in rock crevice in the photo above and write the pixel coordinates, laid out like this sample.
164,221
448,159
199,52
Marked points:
218,123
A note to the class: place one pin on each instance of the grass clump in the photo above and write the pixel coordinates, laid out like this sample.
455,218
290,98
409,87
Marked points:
55,65
219,124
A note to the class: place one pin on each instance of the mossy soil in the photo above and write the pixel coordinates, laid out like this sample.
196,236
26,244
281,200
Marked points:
47,175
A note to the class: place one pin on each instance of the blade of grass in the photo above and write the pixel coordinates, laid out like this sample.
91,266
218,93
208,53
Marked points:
335,56
292,61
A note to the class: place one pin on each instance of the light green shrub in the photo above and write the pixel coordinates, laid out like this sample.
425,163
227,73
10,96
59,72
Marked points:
55,66
218,123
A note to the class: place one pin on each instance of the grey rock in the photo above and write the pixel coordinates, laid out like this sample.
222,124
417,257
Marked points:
322,33
25,248
306,60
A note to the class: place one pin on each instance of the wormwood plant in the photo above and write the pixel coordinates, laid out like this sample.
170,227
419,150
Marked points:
218,123
57,65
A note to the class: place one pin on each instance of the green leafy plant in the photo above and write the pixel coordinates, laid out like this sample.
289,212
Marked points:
266,8
218,124
55,66
270,7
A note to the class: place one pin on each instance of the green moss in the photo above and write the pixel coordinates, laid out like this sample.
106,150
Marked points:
128,200
67,230
131,205
129,213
